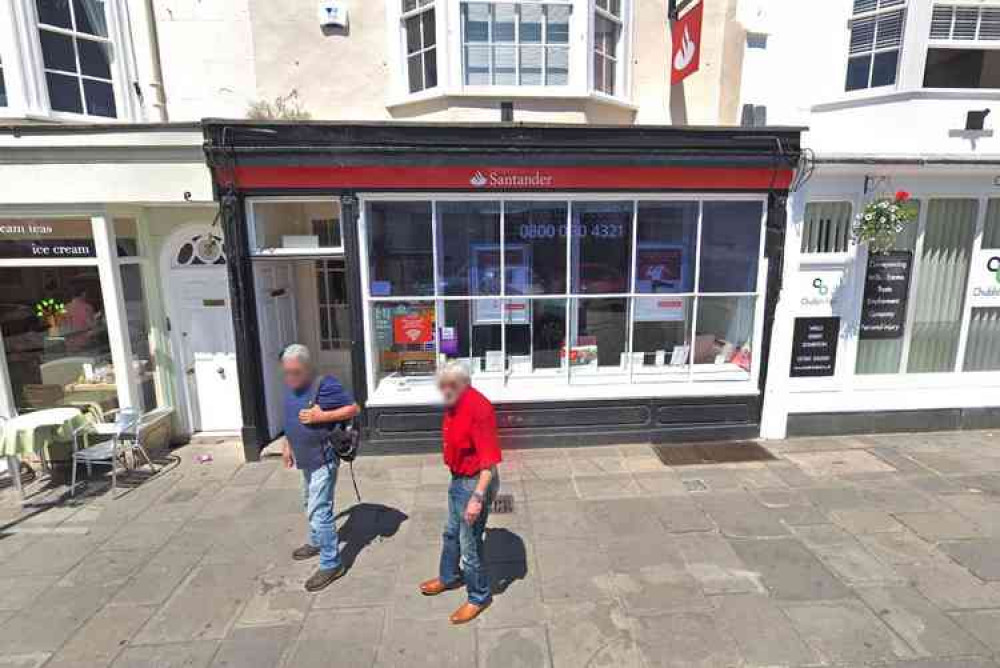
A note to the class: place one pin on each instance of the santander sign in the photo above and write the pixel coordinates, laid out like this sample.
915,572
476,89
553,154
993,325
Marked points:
686,37
511,178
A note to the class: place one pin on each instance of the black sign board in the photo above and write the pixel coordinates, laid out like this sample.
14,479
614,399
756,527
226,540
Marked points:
814,347
49,249
887,289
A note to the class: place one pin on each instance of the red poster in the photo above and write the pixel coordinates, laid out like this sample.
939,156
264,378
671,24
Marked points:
412,328
686,36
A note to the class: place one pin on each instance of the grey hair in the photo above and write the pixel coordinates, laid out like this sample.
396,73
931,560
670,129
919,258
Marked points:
297,352
454,371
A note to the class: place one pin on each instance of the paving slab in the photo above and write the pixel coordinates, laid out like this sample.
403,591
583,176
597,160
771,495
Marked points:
951,587
100,640
351,638
941,525
502,648
790,571
738,515
846,632
979,555
48,621
17,592
262,647
197,654
427,643
33,660
711,560
591,634
686,639
573,570
983,624
764,635
679,514
865,521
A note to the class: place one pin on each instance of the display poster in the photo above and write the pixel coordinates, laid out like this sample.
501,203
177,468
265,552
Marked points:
449,341
660,309
413,328
660,268
887,286
814,347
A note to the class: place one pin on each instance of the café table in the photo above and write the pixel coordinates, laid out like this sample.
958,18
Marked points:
36,432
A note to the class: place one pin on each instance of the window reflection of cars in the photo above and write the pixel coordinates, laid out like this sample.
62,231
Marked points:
601,279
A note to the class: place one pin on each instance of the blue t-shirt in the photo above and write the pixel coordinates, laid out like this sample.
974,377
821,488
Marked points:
307,440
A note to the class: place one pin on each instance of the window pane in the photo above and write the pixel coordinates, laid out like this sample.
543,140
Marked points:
477,65
503,22
601,328
557,66
536,334
400,251
722,342
884,67
95,58
599,70
962,68
531,66
57,51
661,343
54,13
536,232
602,247
857,72
665,259
415,72
413,38
991,231
404,340
504,65
610,67
557,26
471,332
477,22
64,93
56,339
126,237
531,23
982,352
880,356
430,29
295,226
100,98
3,90
730,246
143,362
605,35
430,68
469,248
90,17
862,35
942,275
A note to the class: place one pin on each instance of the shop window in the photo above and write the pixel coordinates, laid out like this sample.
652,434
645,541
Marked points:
78,56
334,310
55,338
665,257
730,246
535,336
143,361
535,239
661,333
296,227
723,347
471,332
602,247
420,37
38,239
876,39
599,339
404,340
515,44
827,228
608,24
469,248
401,249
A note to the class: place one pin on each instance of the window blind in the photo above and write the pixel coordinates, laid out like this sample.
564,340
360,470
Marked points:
965,24
827,227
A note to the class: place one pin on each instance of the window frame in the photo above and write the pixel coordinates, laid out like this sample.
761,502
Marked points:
24,68
876,15
418,11
258,252
975,44
613,384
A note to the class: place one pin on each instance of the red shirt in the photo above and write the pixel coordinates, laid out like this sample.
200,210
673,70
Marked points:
471,442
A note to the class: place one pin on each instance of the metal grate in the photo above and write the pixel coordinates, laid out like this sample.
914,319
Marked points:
503,504
727,452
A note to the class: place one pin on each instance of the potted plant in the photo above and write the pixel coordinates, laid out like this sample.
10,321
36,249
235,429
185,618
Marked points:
51,312
882,220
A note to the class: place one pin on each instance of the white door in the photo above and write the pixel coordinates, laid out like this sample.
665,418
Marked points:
208,348
274,283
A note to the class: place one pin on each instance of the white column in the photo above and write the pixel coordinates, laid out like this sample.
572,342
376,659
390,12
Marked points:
7,406
114,311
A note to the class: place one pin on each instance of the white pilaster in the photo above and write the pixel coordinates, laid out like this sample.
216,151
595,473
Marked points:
7,406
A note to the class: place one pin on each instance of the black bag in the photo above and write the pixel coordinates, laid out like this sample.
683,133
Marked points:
344,438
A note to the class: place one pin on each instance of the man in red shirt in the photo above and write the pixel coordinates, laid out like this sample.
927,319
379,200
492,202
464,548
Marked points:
471,452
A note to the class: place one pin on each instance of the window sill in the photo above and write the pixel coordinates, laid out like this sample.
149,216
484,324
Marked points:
889,95
506,93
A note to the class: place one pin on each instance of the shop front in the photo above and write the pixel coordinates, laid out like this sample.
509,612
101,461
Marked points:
601,284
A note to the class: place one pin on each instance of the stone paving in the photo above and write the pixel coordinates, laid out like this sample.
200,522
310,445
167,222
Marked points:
860,551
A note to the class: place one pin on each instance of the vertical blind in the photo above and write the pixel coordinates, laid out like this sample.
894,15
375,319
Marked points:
827,227
942,275
982,351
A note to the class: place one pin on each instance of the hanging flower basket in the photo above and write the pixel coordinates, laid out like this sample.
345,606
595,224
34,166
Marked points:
882,220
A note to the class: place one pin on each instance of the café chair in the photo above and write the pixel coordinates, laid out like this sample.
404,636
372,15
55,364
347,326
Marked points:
117,441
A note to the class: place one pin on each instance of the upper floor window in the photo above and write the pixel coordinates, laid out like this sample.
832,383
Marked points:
420,27
515,44
77,56
964,47
876,41
607,35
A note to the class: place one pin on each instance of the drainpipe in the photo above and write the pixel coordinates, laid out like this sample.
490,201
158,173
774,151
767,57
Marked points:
160,103
150,67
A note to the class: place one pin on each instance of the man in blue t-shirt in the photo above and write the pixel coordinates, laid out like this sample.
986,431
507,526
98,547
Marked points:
313,407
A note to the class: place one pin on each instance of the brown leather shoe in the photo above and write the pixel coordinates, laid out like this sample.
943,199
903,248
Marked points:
435,587
467,613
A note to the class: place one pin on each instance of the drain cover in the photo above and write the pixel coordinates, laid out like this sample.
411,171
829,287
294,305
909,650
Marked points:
503,504
726,452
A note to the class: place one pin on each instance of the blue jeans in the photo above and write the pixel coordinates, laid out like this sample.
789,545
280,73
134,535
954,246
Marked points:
462,555
319,485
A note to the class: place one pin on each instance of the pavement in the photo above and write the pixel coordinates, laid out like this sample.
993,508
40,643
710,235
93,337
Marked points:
853,551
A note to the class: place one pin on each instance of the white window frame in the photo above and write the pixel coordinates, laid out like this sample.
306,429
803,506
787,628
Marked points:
623,24
420,10
24,69
876,15
450,57
603,386
976,44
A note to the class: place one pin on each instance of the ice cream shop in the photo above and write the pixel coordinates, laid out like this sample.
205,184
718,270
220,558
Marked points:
605,284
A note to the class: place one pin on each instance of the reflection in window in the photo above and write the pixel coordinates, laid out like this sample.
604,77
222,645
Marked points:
56,338
143,362
469,248
78,55
296,226
724,333
938,300
730,246
668,236
991,230
535,238
471,333
334,310
661,337
602,247
400,249
600,336
404,339
962,68
535,336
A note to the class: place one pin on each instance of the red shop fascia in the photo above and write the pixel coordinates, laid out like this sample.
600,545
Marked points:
251,159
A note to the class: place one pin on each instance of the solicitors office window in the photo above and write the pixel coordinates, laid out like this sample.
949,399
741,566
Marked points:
964,47
78,56
876,39
515,44
653,292
420,34
982,350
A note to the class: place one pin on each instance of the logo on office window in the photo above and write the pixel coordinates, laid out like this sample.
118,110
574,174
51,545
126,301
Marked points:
993,266
821,287
478,180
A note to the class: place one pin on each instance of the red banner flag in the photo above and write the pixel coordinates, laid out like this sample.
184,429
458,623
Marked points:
686,52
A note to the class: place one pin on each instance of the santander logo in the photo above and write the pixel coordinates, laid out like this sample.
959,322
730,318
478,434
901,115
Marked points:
511,177
687,52
478,180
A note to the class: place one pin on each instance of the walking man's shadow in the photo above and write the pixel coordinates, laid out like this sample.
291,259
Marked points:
506,557
366,523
